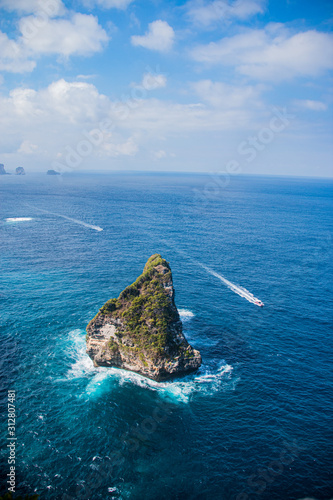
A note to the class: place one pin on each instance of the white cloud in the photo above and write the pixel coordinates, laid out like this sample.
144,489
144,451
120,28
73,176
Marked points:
312,105
80,35
47,123
110,4
51,117
153,81
86,77
203,13
128,148
13,57
77,103
158,118
27,148
22,103
158,155
45,128
160,36
272,53
222,95
49,7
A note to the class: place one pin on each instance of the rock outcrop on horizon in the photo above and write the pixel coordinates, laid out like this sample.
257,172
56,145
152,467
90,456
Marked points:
52,172
141,330
2,169
20,171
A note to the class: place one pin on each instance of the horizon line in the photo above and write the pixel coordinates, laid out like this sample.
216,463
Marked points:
168,172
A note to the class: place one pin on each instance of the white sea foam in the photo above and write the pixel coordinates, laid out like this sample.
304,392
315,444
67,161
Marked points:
209,379
185,314
112,489
18,219
96,383
83,365
206,381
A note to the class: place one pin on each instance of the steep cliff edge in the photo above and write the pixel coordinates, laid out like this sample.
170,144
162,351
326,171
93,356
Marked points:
141,330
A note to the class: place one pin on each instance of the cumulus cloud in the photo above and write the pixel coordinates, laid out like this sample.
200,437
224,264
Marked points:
13,57
80,34
153,81
73,102
27,148
160,36
272,53
312,105
50,122
203,13
53,121
50,7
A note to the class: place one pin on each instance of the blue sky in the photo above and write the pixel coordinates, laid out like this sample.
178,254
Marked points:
207,86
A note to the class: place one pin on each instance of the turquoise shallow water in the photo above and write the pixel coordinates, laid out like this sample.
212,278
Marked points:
255,422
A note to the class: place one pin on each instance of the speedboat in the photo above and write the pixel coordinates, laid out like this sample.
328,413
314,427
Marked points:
259,303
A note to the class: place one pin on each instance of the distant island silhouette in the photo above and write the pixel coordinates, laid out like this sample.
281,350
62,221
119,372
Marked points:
52,172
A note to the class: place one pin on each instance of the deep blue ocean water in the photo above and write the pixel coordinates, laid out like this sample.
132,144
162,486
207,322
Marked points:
255,422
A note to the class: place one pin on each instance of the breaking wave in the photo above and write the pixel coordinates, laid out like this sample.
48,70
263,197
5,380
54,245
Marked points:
82,365
210,378
185,315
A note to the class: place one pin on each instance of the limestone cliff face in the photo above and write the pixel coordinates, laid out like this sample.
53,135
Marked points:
141,330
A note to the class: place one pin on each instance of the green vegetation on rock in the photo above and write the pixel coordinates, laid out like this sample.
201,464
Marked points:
141,329
146,310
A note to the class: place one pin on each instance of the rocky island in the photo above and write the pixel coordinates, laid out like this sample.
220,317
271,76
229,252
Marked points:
2,170
141,330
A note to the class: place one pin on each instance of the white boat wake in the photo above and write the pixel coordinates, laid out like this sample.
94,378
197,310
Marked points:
90,226
76,221
242,292
18,219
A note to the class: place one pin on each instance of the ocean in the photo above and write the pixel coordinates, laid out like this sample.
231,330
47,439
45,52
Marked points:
255,422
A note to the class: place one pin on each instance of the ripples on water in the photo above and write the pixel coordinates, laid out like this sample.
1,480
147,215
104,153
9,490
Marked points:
266,373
